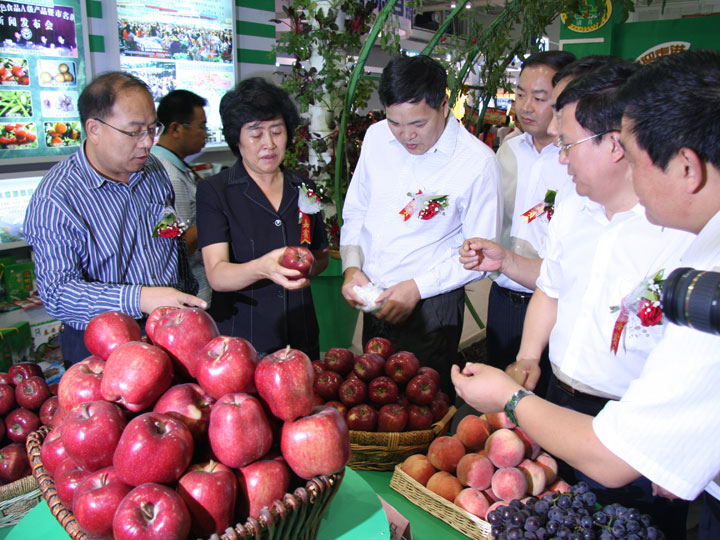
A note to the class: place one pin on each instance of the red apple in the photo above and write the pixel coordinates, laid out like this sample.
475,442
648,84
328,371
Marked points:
52,451
261,483
81,383
7,399
392,418
5,378
298,258
53,388
32,392
226,365
430,372
151,512
153,447
440,406
91,432
380,346
318,368
339,360
419,417
68,476
421,390
352,392
96,499
316,444
328,384
209,491
342,409
20,423
284,380
362,417
14,463
183,334
107,331
382,391
48,410
136,374
24,370
239,430
155,318
189,404
368,366
402,366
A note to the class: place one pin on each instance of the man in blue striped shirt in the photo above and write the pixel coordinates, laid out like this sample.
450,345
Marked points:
91,220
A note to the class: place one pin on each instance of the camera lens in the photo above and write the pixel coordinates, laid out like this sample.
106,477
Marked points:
692,298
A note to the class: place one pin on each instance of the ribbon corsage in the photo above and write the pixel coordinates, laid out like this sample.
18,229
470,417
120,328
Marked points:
641,305
429,205
170,225
309,203
547,206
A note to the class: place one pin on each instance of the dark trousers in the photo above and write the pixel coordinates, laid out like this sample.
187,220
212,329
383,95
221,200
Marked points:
431,332
668,516
709,526
72,345
506,317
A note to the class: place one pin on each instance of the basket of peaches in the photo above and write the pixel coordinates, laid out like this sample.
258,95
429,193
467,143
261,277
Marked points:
391,404
186,432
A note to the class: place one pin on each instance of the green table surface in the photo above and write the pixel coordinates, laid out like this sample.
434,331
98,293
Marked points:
354,514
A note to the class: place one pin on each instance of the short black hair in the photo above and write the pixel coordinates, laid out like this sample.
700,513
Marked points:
98,97
674,103
411,79
584,65
179,106
598,109
255,99
555,60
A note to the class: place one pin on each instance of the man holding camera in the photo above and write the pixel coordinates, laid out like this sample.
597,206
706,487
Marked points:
665,426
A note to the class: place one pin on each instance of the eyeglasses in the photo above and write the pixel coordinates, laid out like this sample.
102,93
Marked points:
202,127
565,148
140,134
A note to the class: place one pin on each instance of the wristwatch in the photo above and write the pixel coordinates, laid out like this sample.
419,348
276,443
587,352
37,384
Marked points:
513,401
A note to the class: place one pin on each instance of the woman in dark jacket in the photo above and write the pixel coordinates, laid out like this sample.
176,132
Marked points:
248,214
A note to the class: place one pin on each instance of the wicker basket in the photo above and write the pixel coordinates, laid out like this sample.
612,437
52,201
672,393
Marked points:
17,499
297,515
373,451
468,524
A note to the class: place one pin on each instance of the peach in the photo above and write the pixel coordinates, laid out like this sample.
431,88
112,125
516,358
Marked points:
532,449
499,420
535,476
418,467
445,484
473,431
509,483
495,506
475,470
490,496
559,486
504,448
549,465
473,501
445,452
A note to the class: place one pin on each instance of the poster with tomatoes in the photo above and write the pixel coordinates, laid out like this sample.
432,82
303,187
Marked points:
42,72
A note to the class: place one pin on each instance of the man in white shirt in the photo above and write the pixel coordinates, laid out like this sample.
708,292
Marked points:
666,424
421,186
183,115
530,168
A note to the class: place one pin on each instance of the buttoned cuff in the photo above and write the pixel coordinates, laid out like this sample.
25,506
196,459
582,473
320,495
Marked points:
130,301
351,256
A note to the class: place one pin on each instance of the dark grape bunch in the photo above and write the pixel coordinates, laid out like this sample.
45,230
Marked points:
570,516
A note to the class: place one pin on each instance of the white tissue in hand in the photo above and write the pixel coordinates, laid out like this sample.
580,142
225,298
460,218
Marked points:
368,294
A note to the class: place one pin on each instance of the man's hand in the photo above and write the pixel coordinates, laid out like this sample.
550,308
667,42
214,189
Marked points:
658,491
482,255
525,371
154,297
400,300
484,388
353,276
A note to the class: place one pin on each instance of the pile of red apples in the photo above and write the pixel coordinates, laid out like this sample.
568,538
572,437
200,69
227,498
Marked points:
26,402
488,462
184,431
380,390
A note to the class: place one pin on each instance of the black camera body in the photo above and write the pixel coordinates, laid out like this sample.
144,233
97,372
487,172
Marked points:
692,298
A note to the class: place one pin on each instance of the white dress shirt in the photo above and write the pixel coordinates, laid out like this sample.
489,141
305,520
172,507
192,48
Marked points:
527,175
667,425
385,179
590,265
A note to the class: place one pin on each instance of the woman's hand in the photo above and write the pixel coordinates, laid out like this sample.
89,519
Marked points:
270,268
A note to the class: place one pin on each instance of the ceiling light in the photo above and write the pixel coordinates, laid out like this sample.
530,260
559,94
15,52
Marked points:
468,5
453,5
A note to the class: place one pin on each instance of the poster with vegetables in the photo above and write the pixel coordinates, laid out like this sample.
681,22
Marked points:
42,72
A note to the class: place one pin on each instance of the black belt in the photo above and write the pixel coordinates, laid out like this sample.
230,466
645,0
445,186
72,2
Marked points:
515,297
576,393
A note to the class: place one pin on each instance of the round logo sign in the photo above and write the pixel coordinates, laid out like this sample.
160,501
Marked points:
588,18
